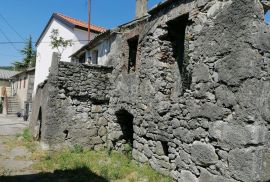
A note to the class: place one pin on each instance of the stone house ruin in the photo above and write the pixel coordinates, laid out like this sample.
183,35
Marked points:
187,87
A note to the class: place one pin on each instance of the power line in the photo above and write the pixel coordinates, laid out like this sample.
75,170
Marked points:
5,20
19,42
3,33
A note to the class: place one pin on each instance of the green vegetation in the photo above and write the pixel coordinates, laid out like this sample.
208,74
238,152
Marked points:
29,59
112,167
80,165
6,68
59,43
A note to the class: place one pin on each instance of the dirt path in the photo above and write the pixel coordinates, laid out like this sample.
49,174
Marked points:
13,160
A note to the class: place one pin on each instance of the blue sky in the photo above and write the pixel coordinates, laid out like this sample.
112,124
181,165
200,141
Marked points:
29,17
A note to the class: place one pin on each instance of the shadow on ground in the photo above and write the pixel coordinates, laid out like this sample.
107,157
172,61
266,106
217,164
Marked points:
77,175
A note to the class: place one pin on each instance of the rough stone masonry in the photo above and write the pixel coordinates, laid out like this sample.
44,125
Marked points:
187,87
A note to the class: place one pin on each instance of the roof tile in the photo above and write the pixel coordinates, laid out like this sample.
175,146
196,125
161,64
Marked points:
81,23
6,74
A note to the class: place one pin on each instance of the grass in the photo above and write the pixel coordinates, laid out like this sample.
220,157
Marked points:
23,139
110,165
113,167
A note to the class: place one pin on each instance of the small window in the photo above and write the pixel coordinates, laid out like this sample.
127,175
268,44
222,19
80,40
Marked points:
133,47
24,82
88,57
95,57
82,59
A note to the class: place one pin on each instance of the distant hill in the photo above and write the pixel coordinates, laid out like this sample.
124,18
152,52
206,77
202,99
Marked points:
6,68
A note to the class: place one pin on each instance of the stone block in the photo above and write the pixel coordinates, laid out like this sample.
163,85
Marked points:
159,149
206,176
225,96
96,140
187,176
96,109
102,131
231,135
102,122
200,73
203,154
246,164
208,110
147,151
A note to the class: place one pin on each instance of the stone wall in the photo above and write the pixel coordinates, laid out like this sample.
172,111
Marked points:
197,99
77,95
201,118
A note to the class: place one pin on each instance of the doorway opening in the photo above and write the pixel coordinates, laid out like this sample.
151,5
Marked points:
125,120
39,123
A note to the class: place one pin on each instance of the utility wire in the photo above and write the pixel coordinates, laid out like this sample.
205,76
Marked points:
19,42
11,43
5,20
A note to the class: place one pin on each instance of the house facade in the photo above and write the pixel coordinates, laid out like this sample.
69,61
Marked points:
22,90
96,52
5,88
69,29
5,79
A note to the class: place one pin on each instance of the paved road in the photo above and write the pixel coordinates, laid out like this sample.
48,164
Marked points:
11,125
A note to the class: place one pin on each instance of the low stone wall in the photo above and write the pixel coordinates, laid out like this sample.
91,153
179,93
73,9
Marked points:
72,114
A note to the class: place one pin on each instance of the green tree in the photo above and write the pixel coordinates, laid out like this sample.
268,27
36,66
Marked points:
29,54
29,59
59,43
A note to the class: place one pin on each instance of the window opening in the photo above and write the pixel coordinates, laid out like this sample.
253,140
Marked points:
95,57
40,123
133,47
24,82
177,36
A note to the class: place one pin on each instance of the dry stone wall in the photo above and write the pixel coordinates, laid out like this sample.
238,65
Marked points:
198,114
195,105
78,97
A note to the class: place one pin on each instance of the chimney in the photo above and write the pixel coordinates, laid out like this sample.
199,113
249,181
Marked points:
141,8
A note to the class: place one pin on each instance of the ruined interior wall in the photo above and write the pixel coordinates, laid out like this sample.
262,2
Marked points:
215,130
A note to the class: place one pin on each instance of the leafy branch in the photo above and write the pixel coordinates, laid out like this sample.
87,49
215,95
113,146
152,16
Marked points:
59,43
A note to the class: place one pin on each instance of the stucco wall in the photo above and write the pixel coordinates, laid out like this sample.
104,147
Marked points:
24,92
5,83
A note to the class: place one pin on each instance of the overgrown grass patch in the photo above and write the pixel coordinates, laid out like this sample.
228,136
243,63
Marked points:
82,165
113,167
24,140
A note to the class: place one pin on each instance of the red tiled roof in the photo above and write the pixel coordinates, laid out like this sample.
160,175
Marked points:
80,23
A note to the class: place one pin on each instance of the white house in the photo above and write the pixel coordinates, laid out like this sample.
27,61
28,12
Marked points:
68,28
96,52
